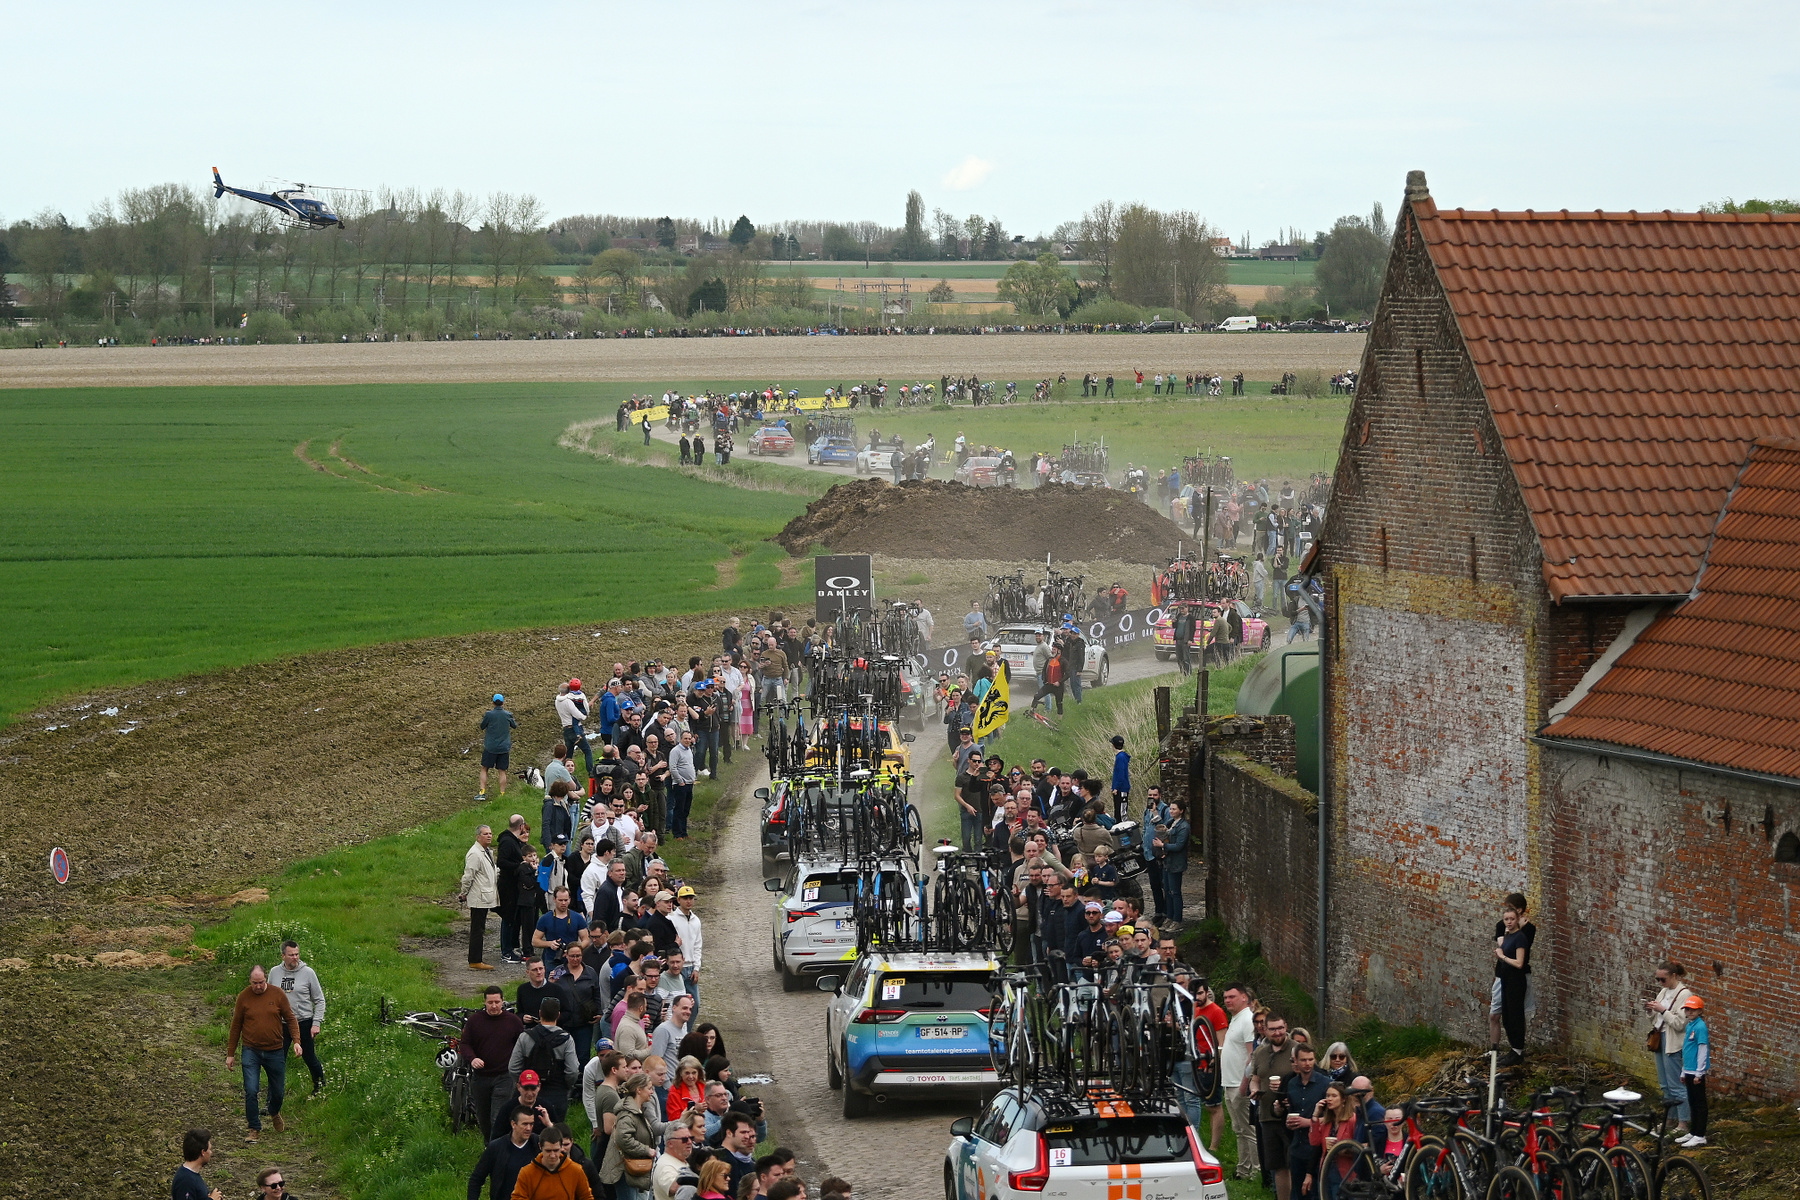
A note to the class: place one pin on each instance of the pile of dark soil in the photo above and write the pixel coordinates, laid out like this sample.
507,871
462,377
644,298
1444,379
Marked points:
932,519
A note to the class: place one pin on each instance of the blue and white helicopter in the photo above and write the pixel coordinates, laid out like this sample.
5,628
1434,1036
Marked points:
297,209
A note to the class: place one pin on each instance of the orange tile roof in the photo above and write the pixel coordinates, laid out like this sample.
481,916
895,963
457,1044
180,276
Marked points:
1717,679
1629,359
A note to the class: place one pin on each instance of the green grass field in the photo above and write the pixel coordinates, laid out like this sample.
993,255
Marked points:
162,531
1270,436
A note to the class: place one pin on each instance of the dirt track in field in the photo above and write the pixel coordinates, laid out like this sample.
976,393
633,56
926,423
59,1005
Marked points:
652,360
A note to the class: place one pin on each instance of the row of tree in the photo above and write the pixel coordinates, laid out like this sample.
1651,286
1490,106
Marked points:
168,249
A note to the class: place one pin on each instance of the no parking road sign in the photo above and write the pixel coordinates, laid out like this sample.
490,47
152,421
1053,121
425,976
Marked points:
59,864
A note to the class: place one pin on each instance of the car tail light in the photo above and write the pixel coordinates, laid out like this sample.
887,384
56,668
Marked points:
879,1016
1209,1172
1035,1179
795,916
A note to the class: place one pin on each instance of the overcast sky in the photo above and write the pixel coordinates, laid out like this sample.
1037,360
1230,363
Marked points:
1259,116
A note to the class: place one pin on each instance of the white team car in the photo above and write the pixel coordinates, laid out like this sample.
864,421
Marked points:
1016,642
876,462
815,915
1024,1143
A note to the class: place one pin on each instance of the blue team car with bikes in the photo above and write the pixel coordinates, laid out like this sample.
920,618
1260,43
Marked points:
909,1022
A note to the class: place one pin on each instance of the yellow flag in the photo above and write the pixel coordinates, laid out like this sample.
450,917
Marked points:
995,706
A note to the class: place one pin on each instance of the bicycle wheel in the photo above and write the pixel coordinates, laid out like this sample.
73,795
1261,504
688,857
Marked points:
462,1104
1479,1155
1591,1176
1682,1179
1431,1172
1349,1162
1511,1183
1632,1173
1551,1175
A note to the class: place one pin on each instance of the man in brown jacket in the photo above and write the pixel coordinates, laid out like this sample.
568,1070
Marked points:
259,1019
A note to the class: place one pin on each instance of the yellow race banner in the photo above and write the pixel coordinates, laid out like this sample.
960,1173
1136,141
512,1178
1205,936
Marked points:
995,707
813,403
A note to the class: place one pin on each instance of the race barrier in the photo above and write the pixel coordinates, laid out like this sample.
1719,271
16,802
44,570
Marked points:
1112,631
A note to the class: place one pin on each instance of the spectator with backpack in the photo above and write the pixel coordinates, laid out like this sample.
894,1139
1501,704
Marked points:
546,1050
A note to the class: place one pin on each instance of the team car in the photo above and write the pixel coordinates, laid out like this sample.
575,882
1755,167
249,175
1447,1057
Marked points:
877,462
771,439
981,471
832,451
1094,1148
1016,642
1256,630
815,916
909,1023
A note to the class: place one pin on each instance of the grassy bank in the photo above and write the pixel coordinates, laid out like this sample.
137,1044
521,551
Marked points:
383,1124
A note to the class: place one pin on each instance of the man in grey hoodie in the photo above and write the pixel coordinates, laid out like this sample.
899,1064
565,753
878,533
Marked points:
307,998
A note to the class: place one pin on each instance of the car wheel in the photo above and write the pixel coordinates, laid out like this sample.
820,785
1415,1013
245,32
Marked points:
1264,645
1104,673
855,1103
949,1183
776,947
791,980
833,1077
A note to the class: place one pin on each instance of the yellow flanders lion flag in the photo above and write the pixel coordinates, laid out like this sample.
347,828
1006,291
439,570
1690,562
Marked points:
995,707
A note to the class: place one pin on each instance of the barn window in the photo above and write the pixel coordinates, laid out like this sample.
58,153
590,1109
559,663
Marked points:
1480,442
1787,850
1367,428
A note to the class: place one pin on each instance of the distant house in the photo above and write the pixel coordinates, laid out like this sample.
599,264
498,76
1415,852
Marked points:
1067,250
1223,248
688,244
1279,253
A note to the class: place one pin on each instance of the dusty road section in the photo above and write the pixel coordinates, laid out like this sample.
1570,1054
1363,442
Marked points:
683,360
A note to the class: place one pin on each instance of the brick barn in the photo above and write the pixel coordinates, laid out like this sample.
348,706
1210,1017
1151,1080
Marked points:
1562,590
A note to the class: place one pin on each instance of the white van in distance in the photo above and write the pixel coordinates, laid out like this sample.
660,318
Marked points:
1237,324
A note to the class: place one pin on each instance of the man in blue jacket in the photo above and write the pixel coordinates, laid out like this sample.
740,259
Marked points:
610,708
1121,779
505,1156
1154,840
1175,856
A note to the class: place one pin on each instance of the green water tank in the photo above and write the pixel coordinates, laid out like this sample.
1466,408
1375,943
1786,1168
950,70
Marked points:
1286,681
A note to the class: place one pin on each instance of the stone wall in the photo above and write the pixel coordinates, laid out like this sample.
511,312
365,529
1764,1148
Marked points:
1264,869
1657,863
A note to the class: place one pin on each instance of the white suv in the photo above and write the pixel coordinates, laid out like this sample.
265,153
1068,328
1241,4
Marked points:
1026,1142
815,915
1016,643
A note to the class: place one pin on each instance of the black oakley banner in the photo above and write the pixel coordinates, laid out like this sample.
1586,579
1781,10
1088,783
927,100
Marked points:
843,582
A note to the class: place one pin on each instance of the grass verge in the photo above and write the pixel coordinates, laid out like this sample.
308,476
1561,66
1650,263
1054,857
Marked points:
383,1124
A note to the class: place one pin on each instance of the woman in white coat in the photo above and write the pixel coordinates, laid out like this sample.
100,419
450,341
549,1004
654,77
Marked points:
480,890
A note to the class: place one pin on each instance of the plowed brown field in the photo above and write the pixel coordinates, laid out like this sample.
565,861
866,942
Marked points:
1016,356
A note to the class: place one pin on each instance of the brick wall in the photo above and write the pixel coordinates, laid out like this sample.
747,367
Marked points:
1652,863
1264,866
